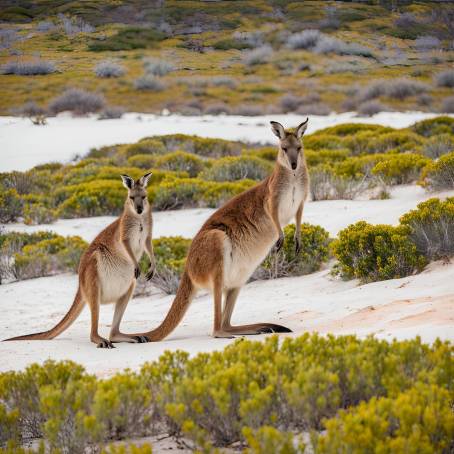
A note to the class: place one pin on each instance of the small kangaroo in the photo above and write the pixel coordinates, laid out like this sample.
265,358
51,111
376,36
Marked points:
110,266
238,236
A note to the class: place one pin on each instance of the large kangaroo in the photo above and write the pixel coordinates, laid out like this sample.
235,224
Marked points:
110,266
238,236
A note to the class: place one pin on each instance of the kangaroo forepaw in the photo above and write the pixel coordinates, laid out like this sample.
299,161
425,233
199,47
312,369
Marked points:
279,244
297,246
142,339
150,274
105,344
137,272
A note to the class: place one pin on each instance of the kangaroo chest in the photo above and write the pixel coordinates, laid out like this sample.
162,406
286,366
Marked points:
290,199
138,238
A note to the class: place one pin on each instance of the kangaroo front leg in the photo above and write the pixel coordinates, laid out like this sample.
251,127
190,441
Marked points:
274,212
297,238
255,328
120,306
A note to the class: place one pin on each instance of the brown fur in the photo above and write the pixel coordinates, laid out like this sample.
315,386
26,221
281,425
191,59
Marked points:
109,268
237,237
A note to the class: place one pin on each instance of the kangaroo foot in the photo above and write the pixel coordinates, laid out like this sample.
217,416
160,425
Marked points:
105,344
120,337
223,334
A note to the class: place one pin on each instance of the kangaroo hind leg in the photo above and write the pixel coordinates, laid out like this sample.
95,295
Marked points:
91,293
115,334
255,328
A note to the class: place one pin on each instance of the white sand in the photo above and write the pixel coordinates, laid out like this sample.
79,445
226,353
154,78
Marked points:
24,145
333,215
418,305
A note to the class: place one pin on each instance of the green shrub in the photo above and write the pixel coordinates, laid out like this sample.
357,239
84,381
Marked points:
56,255
9,425
143,161
238,168
170,254
128,38
217,194
320,141
314,158
400,168
313,253
38,213
266,153
434,126
93,198
128,449
20,391
397,141
10,205
145,146
432,227
349,129
418,420
376,252
439,175
176,193
268,440
438,145
210,148
181,161
359,166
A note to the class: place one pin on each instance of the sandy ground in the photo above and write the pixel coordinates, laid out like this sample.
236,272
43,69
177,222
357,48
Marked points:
24,145
417,305
333,215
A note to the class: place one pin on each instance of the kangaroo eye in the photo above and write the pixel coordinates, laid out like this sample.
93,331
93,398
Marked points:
132,198
284,149
299,148
143,197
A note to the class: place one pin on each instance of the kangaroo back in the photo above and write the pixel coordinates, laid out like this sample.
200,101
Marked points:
61,326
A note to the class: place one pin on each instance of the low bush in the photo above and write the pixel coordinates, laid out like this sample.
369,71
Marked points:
145,146
149,83
37,212
238,168
313,253
144,161
403,88
400,168
243,394
77,101
174,194
426,43
434,126
170,254
370,108
128,38
257,56
439,175
306,39
180,161
158,67
49,256
376,252
111,113
418,418
11,205
432,227
438,145
314,158
445,78
268,440
109,68
29,68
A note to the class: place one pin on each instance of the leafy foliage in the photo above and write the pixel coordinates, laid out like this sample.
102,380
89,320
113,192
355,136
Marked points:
376,252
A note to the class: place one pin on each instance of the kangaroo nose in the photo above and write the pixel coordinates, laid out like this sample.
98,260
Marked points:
139,210
293,165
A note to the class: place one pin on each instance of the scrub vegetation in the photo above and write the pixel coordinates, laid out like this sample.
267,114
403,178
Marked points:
348,394
331,56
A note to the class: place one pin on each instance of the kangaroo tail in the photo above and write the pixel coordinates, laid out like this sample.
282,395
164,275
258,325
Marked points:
183,298
61,326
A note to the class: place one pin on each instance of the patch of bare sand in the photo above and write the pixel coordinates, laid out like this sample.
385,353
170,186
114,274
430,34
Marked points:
405,313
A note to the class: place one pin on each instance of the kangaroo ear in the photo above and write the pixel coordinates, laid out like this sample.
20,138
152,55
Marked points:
128,182
277,129
144,180
301,129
